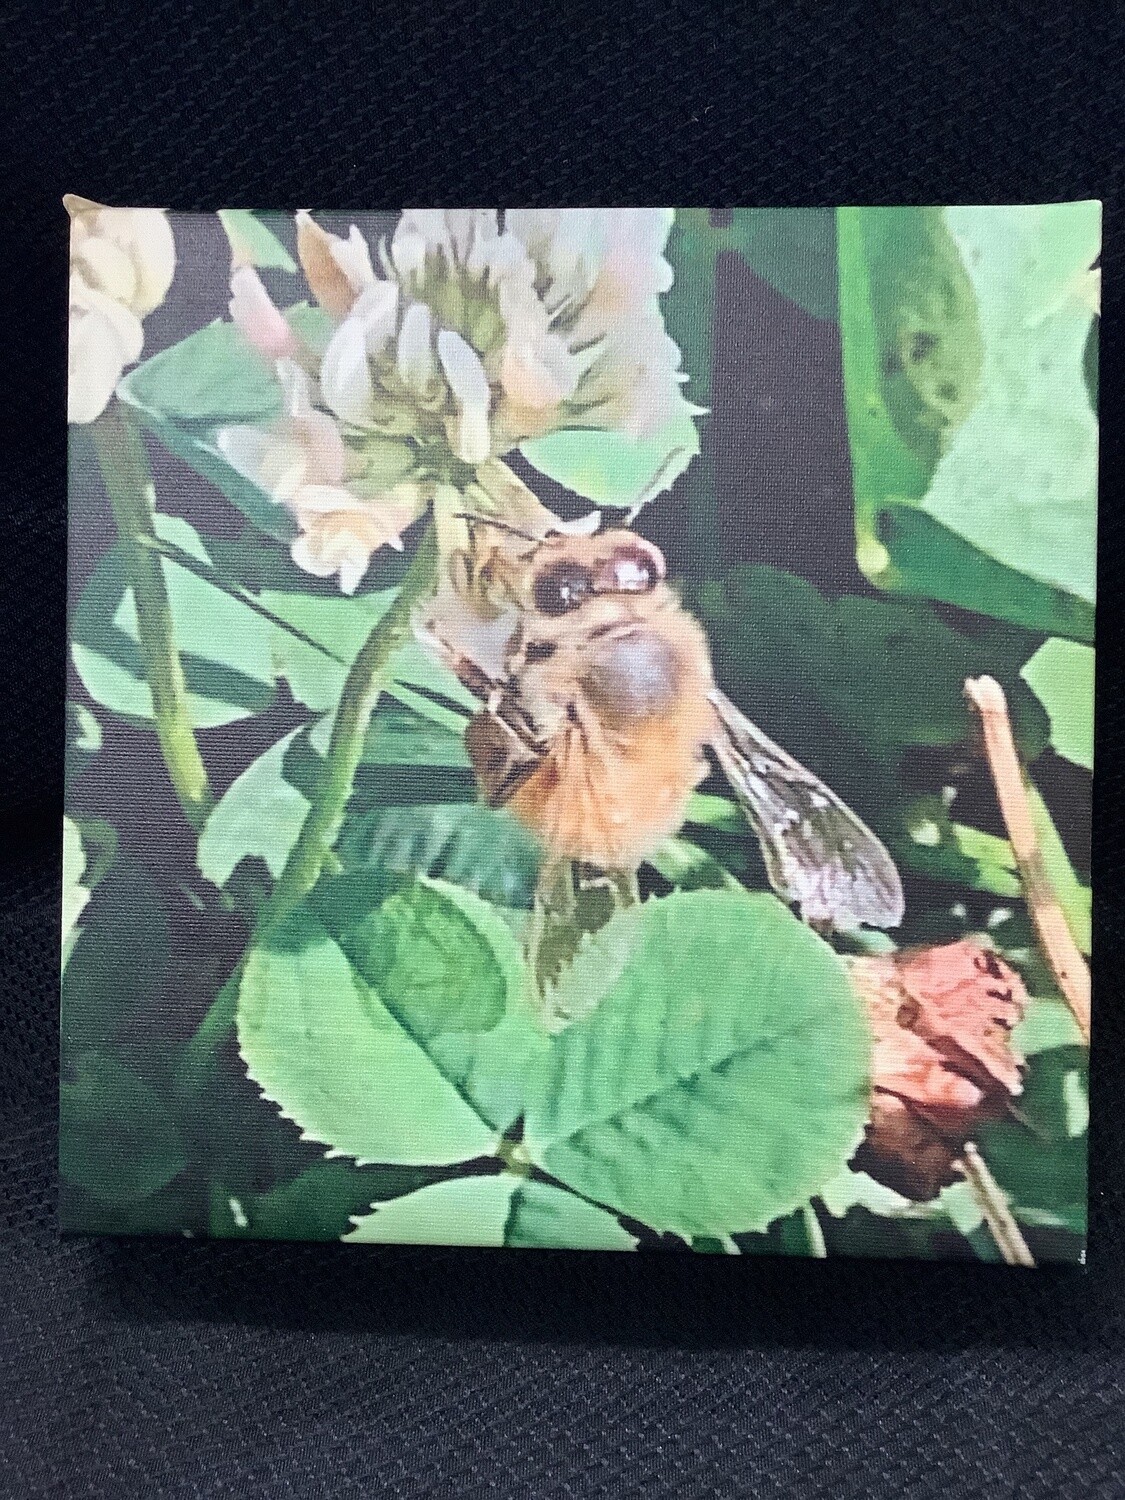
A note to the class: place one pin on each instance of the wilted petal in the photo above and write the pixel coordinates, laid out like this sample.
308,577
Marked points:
327,279
469,385
354,259
257,318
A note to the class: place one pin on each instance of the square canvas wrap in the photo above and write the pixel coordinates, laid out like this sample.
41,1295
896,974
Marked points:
580,728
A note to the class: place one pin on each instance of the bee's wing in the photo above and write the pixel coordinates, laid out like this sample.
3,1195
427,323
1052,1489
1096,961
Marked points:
817,852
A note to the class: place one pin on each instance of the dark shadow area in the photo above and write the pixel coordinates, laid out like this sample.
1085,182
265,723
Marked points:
134,1367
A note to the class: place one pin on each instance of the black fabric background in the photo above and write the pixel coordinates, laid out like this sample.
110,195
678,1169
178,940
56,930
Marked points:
162,1367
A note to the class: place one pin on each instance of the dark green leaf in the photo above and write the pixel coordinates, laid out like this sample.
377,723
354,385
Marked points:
1039,1159
849,685
100,993
464,842
117,1139
321,1202
794,249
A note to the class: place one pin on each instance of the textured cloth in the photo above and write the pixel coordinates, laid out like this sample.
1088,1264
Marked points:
168,1367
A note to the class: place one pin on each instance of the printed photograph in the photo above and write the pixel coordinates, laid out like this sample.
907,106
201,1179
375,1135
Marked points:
580,728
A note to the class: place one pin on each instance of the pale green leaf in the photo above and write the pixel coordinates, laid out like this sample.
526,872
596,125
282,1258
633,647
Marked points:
492,1211
719,1082
545,1217
1047,1024
334,628
212,377
1019,478
252,243
1061,675
449,969
260,814
613,469
467,1211
319,1042
956,387
224,644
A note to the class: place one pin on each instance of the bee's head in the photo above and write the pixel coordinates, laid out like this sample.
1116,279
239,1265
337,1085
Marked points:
566,571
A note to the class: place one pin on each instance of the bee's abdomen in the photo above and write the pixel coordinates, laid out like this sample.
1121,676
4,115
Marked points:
634,677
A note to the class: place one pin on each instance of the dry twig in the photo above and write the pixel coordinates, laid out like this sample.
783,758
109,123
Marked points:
1072,973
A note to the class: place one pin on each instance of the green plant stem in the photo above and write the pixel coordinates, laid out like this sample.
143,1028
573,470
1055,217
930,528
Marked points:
128,482
366,679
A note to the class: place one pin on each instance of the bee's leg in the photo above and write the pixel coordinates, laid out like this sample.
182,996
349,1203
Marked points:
622,884
502,757
573,902
468,673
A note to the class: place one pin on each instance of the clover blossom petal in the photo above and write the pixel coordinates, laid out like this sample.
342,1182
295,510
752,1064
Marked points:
122,261
466,334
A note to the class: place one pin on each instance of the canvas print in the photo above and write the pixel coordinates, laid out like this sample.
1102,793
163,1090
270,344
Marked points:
580,728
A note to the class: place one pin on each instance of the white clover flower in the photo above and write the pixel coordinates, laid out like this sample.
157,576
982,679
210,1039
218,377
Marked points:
304,464
537,320
121,265
470,332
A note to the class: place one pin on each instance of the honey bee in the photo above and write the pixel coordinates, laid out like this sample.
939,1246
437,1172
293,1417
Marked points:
599,709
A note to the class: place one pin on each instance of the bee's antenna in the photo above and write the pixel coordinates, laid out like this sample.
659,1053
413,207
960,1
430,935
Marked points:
464,515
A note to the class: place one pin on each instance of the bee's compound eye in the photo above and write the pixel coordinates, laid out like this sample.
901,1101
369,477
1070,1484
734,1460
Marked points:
562,587
631,569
